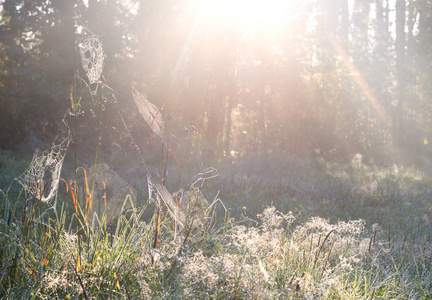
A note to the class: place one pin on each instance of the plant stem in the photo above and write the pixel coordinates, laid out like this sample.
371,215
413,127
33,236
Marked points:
74,93
100,89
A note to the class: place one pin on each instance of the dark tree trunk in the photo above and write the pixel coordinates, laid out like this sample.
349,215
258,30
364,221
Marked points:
400,45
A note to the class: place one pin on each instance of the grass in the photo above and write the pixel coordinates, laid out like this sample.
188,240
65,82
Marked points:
57,253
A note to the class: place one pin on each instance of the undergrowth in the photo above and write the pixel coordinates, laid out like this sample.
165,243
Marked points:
270,256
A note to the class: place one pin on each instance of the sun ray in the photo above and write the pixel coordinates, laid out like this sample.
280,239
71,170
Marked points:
359,80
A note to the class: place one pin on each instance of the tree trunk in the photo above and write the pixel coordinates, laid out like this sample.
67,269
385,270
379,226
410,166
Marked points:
344,22
400,44
228,126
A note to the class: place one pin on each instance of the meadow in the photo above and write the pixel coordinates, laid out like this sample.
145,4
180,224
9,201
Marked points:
314,230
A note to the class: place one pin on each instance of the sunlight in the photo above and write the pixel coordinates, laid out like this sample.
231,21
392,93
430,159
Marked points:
250,14
359,80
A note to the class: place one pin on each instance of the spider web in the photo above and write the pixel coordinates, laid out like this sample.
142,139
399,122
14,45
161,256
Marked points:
92,57
45,166
150,113
177,212
182,203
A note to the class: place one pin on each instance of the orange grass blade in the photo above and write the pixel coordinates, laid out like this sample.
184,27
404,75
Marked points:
74,197
104,197
130,190
28,251
88,208
86,181
88,204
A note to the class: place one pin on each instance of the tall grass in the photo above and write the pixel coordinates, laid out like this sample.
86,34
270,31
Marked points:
50,253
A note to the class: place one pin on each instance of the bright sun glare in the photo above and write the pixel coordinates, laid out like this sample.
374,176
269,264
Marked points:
256,14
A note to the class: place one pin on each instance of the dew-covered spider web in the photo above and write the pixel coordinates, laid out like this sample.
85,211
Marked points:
177,212
42,177
185,201
150,113
92,57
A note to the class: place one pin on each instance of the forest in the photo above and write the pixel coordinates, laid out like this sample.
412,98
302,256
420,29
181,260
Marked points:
322,78
223,149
